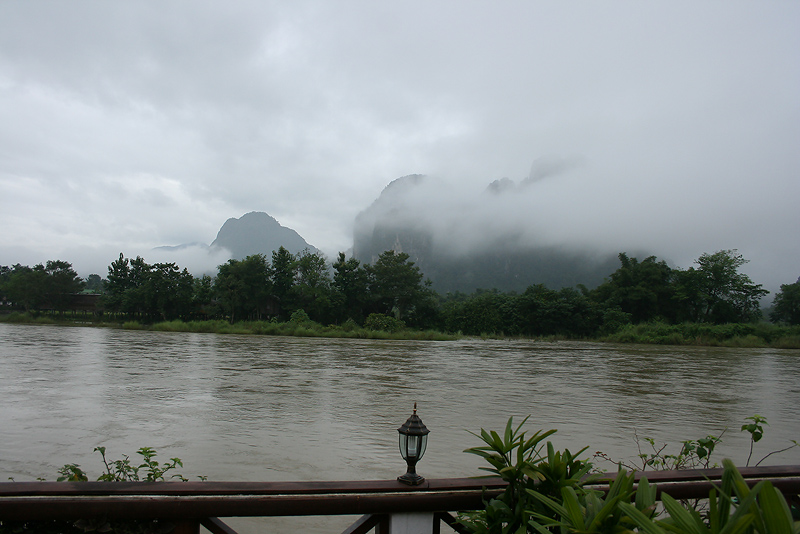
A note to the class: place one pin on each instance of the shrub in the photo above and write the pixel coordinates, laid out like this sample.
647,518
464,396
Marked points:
385,323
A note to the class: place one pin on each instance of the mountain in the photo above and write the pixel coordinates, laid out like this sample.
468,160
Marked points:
464,241
257,233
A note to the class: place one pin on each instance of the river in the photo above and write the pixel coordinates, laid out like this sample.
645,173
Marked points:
278,408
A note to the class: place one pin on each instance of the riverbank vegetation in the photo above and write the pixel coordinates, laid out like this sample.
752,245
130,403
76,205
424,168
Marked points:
643,301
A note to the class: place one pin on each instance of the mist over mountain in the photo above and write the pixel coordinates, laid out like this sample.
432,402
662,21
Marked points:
464,240
252,233
257,233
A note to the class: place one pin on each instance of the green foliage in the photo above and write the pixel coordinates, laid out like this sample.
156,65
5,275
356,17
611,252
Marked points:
299,317
642,301
544,496
242,287
148,471
123,470
786,305
94,284
396,285
381,322
716,292
312,286
71,473
693,454
159,291
283,271
724,335
756,430
50,286
642,290
522,462
350,283
592,511
733,508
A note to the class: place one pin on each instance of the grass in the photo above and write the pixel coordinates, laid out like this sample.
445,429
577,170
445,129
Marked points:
289,328
744,335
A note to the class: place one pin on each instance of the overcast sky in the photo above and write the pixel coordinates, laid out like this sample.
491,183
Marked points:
129,125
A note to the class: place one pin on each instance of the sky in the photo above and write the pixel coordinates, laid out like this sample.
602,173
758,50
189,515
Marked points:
674,125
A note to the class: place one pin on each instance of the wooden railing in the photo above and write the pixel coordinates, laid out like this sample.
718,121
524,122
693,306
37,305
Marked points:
384,505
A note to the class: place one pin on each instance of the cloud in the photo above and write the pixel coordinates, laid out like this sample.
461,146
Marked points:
129,126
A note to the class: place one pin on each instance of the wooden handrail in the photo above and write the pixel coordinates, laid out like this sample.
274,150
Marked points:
200,500
187,500
44,488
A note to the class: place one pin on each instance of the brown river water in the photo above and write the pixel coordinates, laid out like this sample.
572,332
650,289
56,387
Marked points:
276,408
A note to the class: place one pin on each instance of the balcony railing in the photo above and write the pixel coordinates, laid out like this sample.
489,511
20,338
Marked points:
385,505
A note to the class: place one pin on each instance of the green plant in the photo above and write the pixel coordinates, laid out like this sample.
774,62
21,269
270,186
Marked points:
152,471
149,470
71,473
756,430
520,461
693,454
733,508
299,317
593,511
382,322
550,493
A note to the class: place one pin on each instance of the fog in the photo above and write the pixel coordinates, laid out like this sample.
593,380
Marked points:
669,127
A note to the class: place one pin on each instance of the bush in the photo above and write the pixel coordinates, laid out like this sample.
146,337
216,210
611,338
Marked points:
299,317
550,494
385,323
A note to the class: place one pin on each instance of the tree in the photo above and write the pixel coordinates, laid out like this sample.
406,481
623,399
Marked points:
161,290
482,313
243,286
118,282
62,282
94,283
350,283
312,287
786,305
167,291
395,285
5,275
26,286
122,285
203,302
716,292
53,284
643,289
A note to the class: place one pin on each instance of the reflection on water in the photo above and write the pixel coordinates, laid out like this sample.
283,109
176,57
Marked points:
273,408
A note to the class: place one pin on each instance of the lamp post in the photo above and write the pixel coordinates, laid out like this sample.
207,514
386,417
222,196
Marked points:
413,441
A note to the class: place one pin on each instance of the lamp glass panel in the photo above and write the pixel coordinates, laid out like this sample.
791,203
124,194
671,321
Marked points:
413,447
422,446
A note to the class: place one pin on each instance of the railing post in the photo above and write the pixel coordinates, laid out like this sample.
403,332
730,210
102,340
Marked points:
412,523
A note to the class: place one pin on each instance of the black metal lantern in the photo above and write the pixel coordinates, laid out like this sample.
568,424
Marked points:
413,441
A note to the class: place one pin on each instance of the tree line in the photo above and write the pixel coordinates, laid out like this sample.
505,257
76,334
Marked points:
394,289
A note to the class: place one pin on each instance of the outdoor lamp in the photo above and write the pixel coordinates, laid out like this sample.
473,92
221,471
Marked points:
413,441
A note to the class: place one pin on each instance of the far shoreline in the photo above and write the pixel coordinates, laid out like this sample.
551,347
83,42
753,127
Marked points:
734,335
